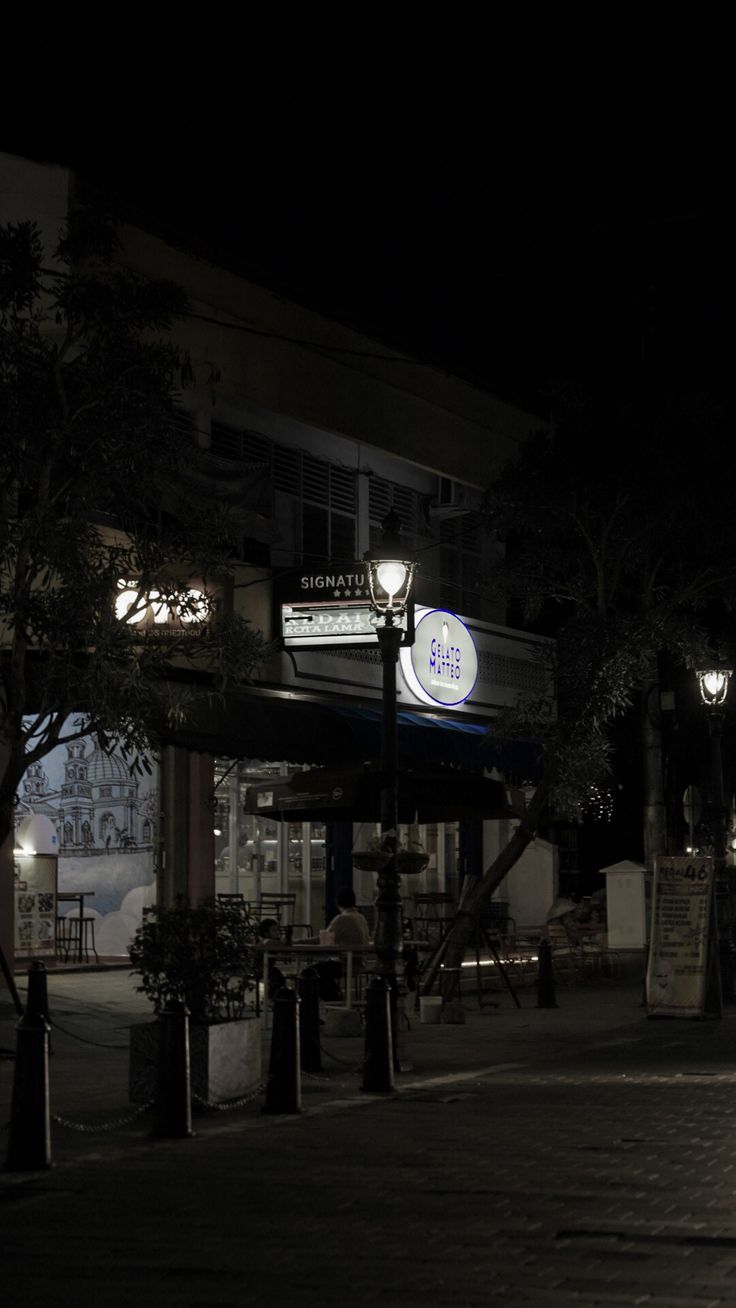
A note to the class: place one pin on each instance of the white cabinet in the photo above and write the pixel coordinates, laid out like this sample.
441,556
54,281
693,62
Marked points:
626,905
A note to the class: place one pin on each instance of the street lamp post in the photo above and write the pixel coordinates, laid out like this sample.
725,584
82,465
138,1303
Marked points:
713,684
390,577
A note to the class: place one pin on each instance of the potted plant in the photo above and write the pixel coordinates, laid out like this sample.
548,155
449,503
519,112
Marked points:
204,958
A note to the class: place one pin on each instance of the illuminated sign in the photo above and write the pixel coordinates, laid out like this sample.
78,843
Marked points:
441,667
152,609
330,608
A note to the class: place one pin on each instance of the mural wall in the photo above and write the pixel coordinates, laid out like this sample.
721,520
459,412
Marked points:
105,820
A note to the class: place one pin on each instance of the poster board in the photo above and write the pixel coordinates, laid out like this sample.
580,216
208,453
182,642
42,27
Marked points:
683,976
35,905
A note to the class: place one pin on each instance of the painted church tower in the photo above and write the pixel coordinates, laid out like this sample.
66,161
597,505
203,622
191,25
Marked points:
75,802
35,784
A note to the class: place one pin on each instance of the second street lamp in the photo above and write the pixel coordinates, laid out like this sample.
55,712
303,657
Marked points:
713,684
390,576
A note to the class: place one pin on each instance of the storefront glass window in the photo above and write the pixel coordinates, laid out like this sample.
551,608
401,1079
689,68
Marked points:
275,857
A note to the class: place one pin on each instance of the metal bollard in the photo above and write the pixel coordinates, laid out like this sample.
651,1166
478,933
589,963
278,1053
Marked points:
378,1069
172,1109
29,1141
37,1004
284,1086
545,979
452,1001
310,1054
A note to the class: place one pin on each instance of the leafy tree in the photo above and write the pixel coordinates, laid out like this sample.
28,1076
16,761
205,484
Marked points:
96,493
592,671
617,531
620,512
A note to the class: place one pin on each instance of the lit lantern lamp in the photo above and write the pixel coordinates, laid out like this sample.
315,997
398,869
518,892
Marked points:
390,573
390,578
713,685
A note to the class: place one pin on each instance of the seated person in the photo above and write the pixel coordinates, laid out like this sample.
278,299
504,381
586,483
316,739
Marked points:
349,927
349,931
269,934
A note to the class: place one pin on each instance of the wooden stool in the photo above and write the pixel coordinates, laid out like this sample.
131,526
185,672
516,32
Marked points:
74,945
62,937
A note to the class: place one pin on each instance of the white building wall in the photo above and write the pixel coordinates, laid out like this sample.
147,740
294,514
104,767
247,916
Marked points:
531,886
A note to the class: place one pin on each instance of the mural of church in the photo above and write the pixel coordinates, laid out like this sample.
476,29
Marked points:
99,804
105,819
96,809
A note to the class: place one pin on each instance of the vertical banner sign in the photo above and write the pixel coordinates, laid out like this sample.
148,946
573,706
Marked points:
683,979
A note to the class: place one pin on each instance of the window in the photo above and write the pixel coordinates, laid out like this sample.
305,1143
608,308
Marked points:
454,550
405,502
239,469
316,505
461,562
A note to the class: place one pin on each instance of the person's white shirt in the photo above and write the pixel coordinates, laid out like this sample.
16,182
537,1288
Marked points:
349,929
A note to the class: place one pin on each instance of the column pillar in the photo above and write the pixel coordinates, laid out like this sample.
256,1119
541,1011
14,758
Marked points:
187,826
174,826
201,873
7,904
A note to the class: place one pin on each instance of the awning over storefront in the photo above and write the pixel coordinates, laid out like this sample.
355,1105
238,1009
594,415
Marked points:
273,727
354,794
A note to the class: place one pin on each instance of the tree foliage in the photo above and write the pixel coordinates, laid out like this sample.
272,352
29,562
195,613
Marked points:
92,495
620,509
616,525
619,514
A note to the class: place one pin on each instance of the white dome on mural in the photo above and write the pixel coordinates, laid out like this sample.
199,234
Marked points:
37,834
107,767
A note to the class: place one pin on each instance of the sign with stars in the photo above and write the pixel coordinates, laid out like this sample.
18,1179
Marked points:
331,608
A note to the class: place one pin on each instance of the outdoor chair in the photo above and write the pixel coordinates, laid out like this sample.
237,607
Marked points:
298,932
280,906
573,957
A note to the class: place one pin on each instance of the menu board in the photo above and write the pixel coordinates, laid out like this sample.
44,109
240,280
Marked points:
35,905
683,978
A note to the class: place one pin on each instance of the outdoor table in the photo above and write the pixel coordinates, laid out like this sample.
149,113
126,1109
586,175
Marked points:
322,951
329,950
76,896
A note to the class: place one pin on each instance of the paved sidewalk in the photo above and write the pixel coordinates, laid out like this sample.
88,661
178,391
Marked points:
92,1009
578,1155
597,1025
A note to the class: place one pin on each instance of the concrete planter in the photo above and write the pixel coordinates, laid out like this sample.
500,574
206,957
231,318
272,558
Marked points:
225,1060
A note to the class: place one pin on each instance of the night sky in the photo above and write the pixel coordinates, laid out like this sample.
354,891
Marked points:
525,206
521,205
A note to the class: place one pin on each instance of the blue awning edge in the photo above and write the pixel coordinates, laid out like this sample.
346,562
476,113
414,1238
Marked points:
276,728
